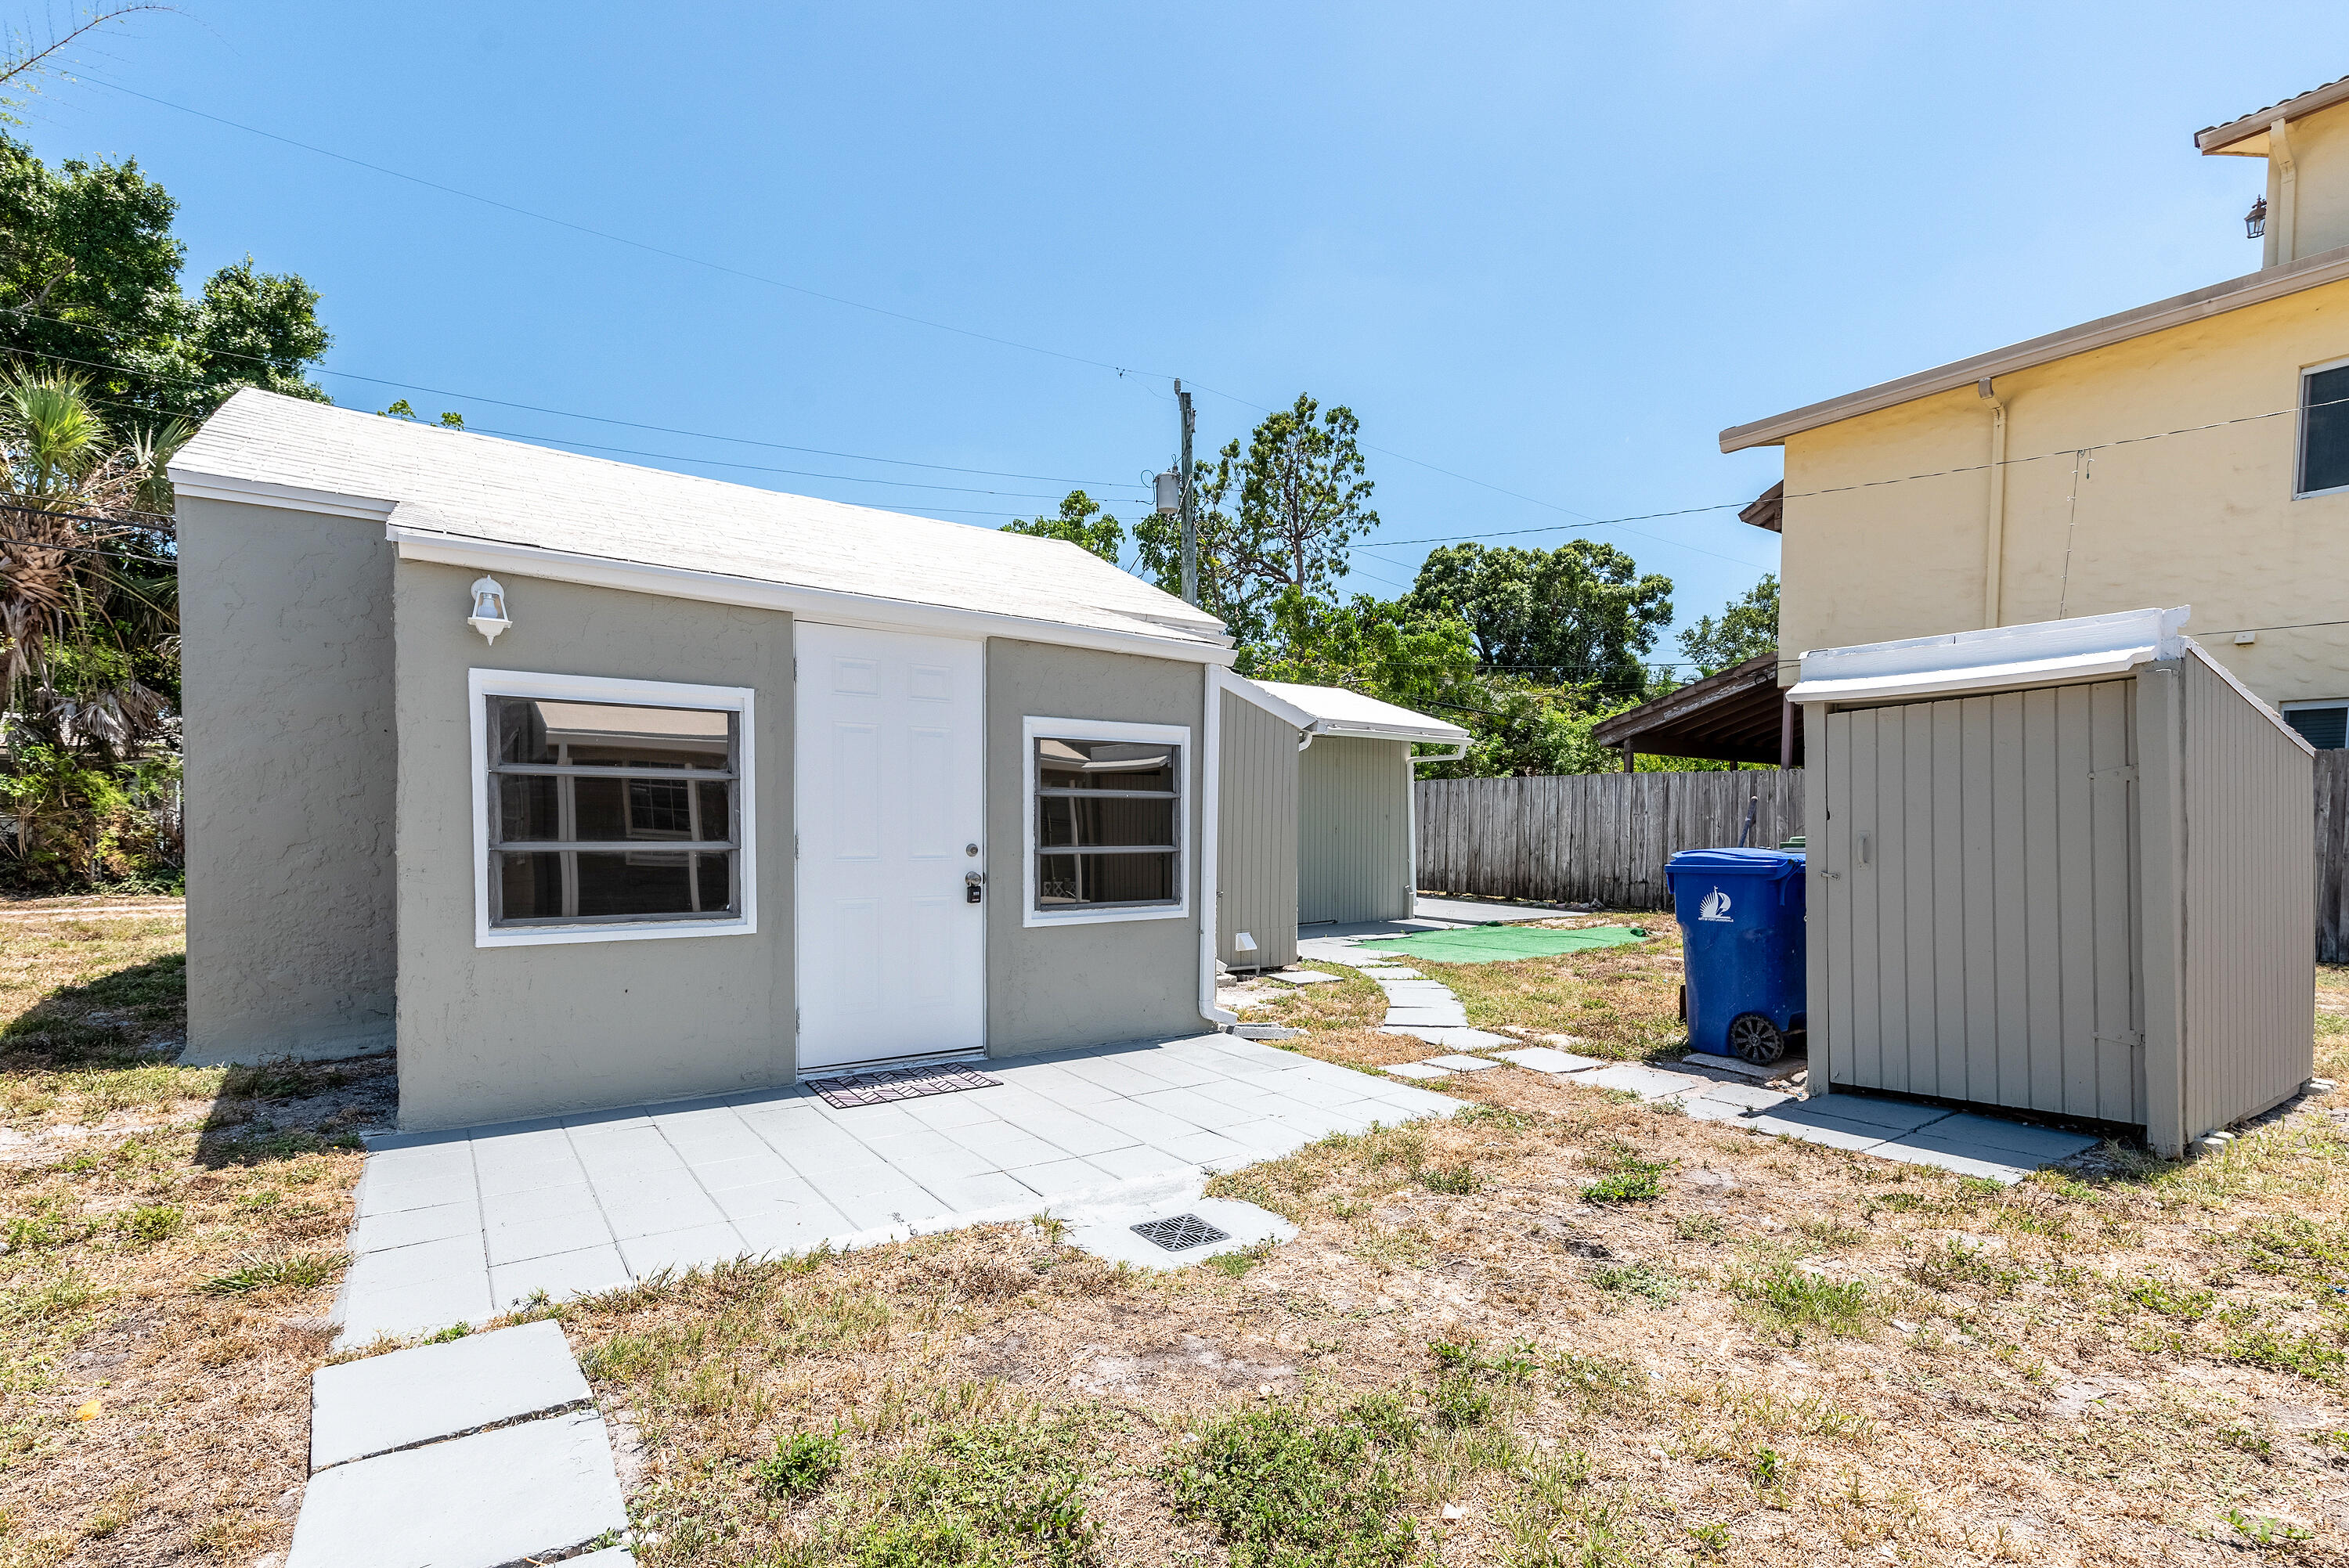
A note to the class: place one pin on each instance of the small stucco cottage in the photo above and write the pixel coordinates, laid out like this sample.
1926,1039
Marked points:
595,785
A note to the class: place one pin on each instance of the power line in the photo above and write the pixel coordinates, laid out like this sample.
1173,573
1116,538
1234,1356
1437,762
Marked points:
564,413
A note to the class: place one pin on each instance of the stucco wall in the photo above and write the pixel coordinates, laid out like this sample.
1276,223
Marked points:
286,655
2205,518
1049,986
2320,155
1353,830
487,1034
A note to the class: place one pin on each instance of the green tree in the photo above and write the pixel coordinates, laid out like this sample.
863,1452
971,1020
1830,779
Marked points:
1369,645
1580,615
25,60
1748,626
1282,515
89,282
1081,521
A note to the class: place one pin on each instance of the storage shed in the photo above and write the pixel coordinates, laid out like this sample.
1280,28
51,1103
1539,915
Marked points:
2066,867
1318,825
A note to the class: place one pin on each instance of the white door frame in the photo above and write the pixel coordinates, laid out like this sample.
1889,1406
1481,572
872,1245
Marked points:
804,973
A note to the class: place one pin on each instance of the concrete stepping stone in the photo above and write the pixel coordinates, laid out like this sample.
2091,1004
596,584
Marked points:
1460,1064
1388,971
496,1498
1461,1037
1416,1070
386,1402
1747,1096
1542,1059
1648,1083
1454,1016
1785,1067
1303,976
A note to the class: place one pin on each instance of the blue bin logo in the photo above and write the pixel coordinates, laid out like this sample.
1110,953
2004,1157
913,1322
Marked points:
1714,907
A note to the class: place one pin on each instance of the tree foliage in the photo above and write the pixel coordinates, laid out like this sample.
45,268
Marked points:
1581,615
1748,626
1380,649
1081,521
89,282
1281,515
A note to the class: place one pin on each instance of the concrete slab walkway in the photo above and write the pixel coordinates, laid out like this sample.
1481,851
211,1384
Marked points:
462,1226
479,1453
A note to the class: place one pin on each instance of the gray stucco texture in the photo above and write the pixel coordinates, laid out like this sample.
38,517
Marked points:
461,1226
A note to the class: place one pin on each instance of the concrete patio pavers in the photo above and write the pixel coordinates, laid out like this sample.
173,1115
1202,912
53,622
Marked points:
459,1226
361,1408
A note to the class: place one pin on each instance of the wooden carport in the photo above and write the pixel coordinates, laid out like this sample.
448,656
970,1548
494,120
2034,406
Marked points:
1738,716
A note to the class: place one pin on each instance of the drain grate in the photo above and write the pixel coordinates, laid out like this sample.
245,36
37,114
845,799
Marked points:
1181,1232
880,1088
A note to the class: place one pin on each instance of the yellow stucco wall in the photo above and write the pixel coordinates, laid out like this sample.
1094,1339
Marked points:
2206,518
2320,155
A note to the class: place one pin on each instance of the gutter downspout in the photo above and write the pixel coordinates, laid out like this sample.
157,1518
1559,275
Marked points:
2283,222
1995,522
1211,781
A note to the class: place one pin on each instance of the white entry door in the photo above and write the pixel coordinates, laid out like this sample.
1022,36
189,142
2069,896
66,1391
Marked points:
890,803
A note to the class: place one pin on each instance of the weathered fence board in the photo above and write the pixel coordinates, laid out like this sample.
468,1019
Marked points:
1584,837
2333,857
1604,837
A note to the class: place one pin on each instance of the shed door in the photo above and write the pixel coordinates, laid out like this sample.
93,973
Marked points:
1980,902
890,803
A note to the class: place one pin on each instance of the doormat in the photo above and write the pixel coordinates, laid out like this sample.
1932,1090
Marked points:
1498,943
885,1085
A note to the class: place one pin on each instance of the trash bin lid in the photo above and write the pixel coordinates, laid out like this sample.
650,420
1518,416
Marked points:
1771,863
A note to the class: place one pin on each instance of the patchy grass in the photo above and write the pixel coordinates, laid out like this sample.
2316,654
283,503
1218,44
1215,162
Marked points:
1746,1351
172,1237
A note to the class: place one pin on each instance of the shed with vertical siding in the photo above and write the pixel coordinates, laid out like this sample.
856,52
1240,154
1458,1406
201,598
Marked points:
1318,823
2066,867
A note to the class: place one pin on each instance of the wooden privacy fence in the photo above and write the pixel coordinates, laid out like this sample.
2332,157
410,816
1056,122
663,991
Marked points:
1605,837
1580,838
2333,857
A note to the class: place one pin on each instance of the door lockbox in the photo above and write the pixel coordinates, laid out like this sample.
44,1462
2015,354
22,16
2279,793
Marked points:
972,884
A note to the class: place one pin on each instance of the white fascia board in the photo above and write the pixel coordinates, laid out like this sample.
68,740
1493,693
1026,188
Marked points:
825,605
262,492
1446,735
2040,654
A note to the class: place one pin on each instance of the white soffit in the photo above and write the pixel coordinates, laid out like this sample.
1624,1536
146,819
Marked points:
1997,658
1336,711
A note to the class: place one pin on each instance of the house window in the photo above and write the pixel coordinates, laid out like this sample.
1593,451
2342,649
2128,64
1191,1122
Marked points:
1105,822
608,809
2323,725
2325,428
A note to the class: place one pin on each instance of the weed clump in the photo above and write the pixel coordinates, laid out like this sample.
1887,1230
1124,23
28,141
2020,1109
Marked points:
1627,1178
1283,1489
1794,1303
800,1464
298,1271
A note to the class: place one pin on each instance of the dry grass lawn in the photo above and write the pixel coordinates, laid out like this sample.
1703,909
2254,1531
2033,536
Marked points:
1560,1330
172,1236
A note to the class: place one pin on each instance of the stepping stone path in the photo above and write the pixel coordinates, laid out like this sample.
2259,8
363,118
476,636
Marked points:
1719,1089
481,1452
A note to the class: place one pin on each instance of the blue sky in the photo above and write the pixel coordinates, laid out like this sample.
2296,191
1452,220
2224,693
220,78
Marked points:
1550,249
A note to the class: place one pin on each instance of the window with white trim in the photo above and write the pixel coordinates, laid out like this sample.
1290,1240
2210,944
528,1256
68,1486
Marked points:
607,811
1105,820
2323,725
2325,428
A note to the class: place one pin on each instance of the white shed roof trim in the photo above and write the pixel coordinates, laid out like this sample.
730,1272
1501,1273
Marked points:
1333,710
1995,658
559,511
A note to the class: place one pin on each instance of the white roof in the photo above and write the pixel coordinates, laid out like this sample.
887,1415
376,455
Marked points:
1336,711
1995,658
540,511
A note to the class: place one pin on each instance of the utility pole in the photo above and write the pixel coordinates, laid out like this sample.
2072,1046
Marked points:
1190,508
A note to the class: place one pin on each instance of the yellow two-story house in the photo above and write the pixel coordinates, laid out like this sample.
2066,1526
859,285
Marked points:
2191,451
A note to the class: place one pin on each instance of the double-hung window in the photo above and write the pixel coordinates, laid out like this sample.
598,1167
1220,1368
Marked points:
2323,429
1105,820
609,809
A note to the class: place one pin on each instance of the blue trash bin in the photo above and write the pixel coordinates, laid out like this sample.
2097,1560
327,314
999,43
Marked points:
1741,916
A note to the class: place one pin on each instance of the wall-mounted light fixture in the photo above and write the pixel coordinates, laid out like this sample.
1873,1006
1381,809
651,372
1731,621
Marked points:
489,616
2255,222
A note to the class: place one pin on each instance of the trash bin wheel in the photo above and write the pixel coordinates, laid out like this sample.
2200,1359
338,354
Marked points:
1756,1038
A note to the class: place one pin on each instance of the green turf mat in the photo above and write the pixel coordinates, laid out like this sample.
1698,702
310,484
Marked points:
1496,943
